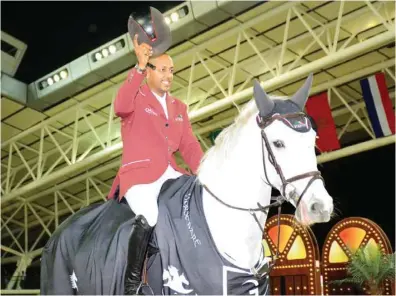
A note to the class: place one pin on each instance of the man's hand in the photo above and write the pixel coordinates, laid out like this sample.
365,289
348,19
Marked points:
143,52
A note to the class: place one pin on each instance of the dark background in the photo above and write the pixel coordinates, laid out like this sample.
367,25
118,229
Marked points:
362,185
57,32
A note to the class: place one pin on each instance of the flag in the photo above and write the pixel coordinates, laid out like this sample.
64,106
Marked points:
318,108
378,104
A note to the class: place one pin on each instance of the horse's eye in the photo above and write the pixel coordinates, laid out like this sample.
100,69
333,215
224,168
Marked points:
279,144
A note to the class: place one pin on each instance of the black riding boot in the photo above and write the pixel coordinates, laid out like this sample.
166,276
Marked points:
137,248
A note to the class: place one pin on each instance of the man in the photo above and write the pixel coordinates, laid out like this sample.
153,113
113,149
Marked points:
154,125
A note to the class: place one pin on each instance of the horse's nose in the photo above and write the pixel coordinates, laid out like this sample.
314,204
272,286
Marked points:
319,208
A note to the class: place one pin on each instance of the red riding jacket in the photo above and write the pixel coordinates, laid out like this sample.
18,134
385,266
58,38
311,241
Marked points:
149,138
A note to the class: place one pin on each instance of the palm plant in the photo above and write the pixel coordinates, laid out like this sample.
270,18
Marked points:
370,267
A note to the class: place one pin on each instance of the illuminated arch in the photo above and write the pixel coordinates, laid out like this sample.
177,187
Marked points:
297,270
341,242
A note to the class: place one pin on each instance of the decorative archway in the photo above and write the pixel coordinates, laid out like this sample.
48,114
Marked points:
297,271
341,242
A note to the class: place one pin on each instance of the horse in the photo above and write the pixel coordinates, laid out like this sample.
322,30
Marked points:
208,238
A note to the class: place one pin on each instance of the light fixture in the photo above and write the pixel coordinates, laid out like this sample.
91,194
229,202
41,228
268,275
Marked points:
174,16
98,56
112,49
177,15
63,74
105,52
108,51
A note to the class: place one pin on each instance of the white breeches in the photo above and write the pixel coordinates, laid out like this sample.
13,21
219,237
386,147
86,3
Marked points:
142,198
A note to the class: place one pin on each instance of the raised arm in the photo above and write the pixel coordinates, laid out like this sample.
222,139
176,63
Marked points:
125,100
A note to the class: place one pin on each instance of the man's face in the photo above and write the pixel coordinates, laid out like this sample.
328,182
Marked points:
160,79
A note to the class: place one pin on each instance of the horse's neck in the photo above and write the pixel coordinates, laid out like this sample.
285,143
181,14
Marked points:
236,234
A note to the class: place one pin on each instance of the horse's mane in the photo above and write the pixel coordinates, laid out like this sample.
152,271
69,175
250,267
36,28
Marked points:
226,139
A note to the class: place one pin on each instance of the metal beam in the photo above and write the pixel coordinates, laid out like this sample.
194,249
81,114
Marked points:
95,158
303,71
355,149
316,89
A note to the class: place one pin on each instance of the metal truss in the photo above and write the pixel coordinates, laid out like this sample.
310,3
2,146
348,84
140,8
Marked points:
68,161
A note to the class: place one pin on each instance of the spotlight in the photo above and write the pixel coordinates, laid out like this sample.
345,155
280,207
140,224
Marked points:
174,16
56,77
105,52
98,56
167,20
50,81
112,49
63,74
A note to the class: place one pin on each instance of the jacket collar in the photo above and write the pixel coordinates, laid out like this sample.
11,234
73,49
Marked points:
154,103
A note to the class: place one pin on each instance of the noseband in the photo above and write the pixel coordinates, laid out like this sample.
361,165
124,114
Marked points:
262,270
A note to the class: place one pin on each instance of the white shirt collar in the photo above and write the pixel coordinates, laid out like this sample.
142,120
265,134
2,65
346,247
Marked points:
159,97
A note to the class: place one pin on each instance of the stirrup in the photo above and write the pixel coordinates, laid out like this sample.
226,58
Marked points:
142,286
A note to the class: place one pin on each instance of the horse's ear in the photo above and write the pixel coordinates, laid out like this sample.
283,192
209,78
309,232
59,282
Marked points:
263,102
301,96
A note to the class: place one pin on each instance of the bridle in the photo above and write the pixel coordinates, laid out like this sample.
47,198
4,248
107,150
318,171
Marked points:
262,269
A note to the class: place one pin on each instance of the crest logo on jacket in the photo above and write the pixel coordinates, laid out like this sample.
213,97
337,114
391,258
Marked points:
150,111
179,118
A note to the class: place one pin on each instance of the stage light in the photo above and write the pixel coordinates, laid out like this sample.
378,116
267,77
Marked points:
63,74
55,78
112,49
98,56
105,52
167,20
174,16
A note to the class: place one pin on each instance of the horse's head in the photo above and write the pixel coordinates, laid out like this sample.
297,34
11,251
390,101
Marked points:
288,150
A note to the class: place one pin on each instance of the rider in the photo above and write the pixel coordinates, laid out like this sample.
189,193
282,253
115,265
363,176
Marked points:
154,125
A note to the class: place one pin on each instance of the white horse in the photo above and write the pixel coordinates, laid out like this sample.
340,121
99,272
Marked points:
209,230
237,169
